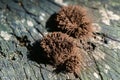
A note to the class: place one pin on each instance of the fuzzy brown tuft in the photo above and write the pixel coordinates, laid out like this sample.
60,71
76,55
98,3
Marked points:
73,64
61,49
74,21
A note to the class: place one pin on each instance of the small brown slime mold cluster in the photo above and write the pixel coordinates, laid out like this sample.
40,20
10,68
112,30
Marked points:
74,21
61,48
62,51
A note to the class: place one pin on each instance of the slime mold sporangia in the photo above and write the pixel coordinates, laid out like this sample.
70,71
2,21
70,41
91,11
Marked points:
74,21
65,48
62,52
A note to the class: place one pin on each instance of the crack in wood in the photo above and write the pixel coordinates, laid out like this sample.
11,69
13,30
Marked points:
98,69
25,73
42,74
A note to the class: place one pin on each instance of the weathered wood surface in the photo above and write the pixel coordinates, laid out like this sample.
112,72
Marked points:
25,20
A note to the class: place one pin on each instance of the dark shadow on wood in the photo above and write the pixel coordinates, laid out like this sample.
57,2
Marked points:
62,68
51,24
36,53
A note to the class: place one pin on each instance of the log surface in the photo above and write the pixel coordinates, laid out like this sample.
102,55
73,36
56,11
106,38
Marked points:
23,22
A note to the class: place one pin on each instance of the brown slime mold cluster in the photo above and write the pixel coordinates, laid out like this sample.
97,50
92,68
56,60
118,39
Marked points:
61,51
74,21
60,47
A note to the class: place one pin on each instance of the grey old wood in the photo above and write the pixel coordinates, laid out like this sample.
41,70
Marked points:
23,22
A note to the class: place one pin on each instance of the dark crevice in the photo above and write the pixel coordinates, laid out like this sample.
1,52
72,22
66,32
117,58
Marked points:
40,32
42,74
31,35
13,8
38,22
25,73
79,77
2,54
98,69
112,38
22,5
7,7
105,36
39,66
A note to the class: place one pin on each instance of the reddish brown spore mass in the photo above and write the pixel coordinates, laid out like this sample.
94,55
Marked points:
73,64
74,21
60,49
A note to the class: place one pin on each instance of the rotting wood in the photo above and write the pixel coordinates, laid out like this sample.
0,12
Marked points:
14,63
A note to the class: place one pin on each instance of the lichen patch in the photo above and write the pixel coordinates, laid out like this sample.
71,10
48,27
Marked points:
41,18
5,35
113,16
108,15
107,68
113,45
29,23
96,75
